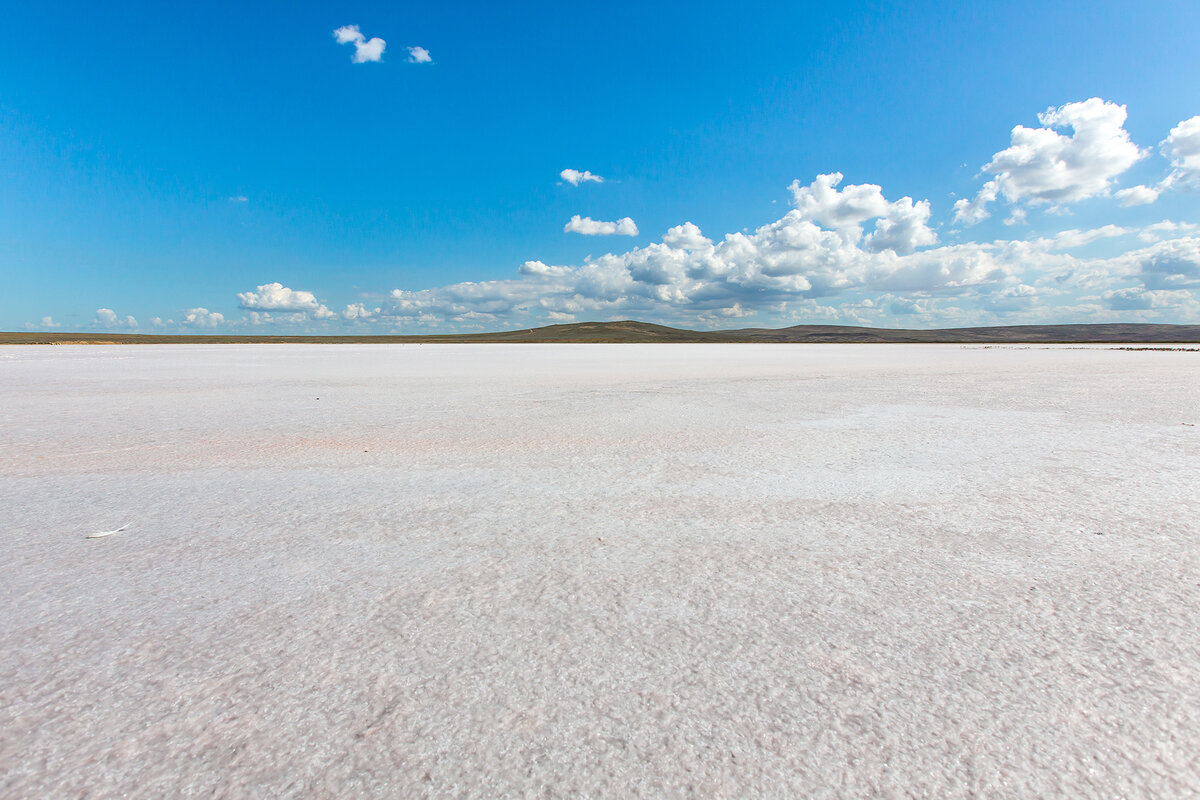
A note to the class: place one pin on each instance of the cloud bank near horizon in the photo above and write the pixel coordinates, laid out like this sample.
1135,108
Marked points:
843,253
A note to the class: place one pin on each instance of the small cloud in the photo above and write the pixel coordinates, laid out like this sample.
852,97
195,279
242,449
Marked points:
1182,146
1155,232
419,55
109,319
971,212
575,177
202,318
46,324
594,227
240,198
277,297
359,311
1138,195
364,49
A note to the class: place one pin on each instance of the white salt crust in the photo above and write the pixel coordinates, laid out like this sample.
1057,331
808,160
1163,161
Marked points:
618,571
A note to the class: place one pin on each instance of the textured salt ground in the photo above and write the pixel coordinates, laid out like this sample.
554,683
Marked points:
711,570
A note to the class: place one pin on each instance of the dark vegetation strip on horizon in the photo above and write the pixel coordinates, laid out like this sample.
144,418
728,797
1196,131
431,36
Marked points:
633,332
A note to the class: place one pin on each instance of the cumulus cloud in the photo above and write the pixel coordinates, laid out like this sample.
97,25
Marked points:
1173,264
1138,195
841,209
1078,153
686,237
1167,229
1182,147
202,318
358,311
594,227
970,212
419,55
575,177
364,49
109,319
900,226
275,297
1136,298
48,322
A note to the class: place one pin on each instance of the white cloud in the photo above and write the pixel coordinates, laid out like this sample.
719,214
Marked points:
1182,146
575,177
1173,264
841,209
358,311
538,268
970,212
241,198
1017,217
1021,297
277,297
48,322
109,319
594,227
202,318
1047,166
1138,195
1167,228
419,55
900,226
347,34
686,237
364,49
1069,239
1139,299
903,228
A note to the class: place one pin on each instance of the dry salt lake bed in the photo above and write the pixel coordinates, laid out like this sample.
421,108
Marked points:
599,570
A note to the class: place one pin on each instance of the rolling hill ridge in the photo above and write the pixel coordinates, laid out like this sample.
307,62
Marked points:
633,332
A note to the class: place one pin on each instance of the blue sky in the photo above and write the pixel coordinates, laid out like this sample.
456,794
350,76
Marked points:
232,168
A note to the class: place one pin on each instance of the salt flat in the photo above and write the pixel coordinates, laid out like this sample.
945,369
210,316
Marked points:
626,570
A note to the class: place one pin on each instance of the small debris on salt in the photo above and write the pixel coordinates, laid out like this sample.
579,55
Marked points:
102,534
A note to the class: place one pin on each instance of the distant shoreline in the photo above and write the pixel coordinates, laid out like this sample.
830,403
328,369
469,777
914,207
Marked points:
631,332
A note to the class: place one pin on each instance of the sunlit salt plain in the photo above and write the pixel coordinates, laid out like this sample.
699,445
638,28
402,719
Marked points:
603,570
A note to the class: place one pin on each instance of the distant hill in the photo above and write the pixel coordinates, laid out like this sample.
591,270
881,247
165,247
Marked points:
1108,333
644,332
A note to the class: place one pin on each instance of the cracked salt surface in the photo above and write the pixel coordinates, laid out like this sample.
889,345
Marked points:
561,570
